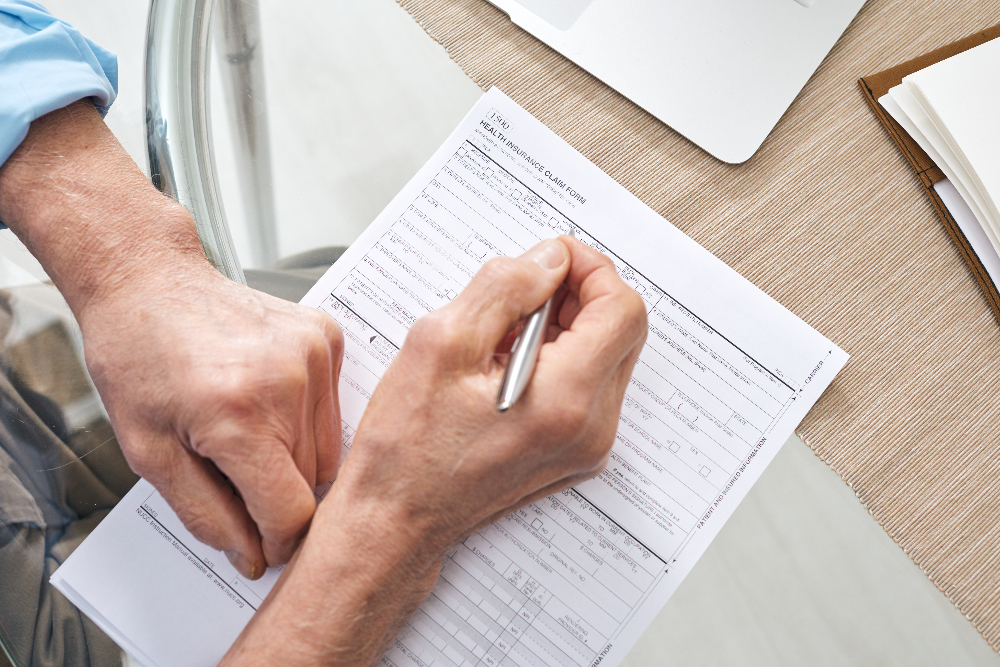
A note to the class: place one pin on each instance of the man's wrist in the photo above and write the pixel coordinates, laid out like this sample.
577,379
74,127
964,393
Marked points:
356,578
385,541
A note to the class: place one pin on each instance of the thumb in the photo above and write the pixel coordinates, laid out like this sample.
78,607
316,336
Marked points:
505,291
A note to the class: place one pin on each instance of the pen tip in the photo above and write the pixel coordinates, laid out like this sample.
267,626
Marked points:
503,406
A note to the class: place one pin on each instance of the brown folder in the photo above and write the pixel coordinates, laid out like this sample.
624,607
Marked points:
877,85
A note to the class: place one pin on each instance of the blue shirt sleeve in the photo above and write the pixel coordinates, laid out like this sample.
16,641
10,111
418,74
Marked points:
46,64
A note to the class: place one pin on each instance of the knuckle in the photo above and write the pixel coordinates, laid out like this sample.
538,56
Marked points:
223,385
293,378
314,341
325,350
502,270
323,331
295,520
225,398
604,259
201,524
423,330
332,332
240,393
436,334
634,316
627,319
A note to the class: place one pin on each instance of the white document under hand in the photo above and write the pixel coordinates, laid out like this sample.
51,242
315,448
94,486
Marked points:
570,581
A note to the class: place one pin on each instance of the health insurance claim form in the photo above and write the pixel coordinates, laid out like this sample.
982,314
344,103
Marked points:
570,581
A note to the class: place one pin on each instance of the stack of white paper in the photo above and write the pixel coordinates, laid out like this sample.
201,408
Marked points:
952,110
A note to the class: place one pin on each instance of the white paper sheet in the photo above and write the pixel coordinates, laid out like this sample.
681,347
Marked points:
904,108
573,580
953,193
974,233
961,98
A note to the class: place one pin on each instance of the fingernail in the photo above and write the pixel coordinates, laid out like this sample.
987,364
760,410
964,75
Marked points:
242,564
548,254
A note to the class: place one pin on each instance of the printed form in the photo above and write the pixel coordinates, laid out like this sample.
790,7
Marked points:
573,580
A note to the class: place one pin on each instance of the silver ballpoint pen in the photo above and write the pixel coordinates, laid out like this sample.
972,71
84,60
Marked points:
524,355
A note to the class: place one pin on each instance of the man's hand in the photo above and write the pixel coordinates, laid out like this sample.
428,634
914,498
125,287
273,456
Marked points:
204,379
433,460
432,442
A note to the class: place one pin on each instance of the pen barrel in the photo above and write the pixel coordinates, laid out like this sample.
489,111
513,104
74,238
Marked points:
523,356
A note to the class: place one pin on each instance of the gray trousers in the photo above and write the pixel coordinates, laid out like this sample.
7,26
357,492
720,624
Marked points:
50,500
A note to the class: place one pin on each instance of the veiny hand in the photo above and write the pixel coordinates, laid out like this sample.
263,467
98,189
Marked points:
432,440
433,460
203,378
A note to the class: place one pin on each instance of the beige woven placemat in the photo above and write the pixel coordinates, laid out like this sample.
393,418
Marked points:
828,219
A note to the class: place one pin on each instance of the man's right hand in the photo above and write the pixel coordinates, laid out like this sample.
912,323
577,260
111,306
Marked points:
433,460
432,442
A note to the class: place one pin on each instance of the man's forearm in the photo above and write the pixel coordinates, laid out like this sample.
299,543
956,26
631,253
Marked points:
206,382
83,208
362,571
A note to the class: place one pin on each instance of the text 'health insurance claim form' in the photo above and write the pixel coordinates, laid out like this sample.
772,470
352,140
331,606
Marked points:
570,581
